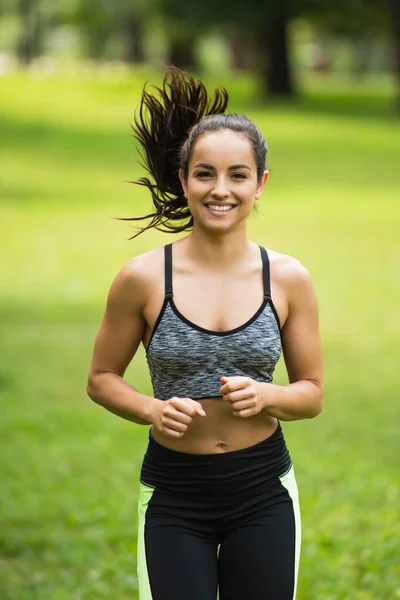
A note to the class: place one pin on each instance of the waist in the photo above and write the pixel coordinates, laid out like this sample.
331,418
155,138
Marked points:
219,431
220,474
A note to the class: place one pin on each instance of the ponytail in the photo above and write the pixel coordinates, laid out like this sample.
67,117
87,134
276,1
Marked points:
161,126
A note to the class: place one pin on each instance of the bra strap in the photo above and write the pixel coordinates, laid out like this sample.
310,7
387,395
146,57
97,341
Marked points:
168,271
266,272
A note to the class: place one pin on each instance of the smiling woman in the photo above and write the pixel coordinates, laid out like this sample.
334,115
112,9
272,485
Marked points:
222,187
169,126
218,503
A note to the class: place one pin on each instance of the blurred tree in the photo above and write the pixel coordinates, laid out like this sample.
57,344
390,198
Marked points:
133,19
259,33
273,46
394,7
182,39
266,23
135,39
182,52
363,22
29,44
360,22
96,20
101,21
242,48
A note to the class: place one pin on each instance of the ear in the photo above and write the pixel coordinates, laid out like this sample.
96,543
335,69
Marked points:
183,182
261,185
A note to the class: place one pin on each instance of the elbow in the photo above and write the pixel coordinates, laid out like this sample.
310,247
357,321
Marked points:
92,389
318,405
89,389
316,399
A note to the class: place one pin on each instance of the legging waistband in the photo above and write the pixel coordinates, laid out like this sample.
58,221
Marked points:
219,473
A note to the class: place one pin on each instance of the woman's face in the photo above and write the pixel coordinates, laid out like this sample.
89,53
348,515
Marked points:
222,185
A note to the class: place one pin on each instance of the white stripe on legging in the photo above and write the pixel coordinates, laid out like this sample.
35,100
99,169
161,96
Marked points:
289,482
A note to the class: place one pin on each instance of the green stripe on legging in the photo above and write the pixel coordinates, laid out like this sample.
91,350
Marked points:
145,493
289,482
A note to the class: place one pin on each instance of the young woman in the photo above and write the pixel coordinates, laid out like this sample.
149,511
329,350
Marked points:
218,502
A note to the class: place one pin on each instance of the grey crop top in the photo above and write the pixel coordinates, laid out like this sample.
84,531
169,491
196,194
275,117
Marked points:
187,361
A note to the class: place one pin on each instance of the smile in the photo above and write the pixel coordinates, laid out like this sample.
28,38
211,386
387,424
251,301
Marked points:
220,208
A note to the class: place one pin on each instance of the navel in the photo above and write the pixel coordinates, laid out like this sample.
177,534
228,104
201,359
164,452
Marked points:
221,446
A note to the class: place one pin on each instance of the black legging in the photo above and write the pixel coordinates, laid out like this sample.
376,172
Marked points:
228,520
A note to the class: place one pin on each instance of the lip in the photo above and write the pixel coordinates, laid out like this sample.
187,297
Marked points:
221,203
219,213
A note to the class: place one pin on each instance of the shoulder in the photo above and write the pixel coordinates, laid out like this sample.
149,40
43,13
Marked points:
290,274
137,277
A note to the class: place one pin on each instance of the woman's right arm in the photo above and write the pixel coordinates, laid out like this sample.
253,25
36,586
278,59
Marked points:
121,331
117,341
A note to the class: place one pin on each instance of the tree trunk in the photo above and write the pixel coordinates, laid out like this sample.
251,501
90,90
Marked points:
395,21
182,52
29,45
273,46
242,51
135,48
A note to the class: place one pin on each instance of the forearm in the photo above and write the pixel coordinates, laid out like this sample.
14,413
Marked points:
116,395
299,400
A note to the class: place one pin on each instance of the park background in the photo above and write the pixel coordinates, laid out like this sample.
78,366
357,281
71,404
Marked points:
322,81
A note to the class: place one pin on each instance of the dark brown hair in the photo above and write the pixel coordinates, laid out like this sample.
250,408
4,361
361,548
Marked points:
167,125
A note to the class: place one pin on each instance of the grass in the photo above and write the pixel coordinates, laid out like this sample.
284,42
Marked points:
69,469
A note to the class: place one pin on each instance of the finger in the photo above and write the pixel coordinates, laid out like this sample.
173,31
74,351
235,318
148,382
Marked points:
174,425
234,383
172,433
228,387
248,412
239,395
176,415
233,378
243,405
183,405
179,417
199,409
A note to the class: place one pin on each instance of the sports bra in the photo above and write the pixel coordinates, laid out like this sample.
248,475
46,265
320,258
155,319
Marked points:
187,360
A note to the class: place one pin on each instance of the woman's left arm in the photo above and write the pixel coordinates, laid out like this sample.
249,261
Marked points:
302,398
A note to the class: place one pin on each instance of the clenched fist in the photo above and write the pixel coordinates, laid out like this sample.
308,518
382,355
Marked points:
172,417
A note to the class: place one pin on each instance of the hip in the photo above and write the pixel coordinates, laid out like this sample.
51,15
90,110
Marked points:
219,477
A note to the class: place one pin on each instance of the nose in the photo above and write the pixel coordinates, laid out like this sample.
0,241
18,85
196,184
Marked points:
220,190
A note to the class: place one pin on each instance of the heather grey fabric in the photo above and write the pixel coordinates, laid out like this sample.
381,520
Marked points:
187,361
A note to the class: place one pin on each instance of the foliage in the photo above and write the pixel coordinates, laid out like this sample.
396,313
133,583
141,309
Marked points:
354,18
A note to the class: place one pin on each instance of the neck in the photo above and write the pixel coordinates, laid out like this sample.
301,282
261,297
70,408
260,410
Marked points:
219,251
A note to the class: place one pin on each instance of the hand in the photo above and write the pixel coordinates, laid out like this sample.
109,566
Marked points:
172,417
242,393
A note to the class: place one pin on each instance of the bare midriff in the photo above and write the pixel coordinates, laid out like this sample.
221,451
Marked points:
219,431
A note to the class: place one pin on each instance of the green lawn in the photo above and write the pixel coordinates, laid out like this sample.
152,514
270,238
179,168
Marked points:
70,469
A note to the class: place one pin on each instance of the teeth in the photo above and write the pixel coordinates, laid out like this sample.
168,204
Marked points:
220,208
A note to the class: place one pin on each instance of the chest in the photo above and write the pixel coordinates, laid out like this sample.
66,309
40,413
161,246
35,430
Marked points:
181,348
217,303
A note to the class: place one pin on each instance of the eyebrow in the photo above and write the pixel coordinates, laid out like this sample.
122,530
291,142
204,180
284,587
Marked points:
211,168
